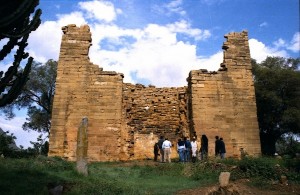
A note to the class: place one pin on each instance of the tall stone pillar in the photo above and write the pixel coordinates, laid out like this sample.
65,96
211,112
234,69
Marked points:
223,103
84,89
82,147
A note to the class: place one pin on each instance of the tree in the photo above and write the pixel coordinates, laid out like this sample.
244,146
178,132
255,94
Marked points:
7,143
288,145
15,26
37,96
277,91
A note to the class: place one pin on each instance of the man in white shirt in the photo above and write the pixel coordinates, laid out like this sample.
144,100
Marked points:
167,150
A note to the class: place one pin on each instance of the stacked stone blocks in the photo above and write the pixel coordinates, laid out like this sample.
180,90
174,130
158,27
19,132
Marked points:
125,120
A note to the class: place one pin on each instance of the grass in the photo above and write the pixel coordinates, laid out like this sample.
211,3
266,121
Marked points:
36,176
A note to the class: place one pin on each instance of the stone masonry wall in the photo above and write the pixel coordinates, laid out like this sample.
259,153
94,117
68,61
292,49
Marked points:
223,103
150,112
84,89
125,120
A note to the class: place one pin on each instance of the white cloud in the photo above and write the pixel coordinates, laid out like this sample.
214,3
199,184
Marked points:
155,54
212,2
211,63
174,7
15,126
72,18
185,28
152,53
295,43
44,43
279,43
264,24
259,51
100,10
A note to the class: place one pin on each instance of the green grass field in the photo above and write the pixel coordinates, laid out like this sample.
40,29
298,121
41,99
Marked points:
38,175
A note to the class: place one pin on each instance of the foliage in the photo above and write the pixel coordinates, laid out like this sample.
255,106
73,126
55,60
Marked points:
16,23
264,170
207,172
37,97
6,141
37,175
288,144
8,148
258,167
40,147
277,91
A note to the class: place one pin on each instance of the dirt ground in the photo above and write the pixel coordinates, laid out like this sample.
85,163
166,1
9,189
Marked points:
243,187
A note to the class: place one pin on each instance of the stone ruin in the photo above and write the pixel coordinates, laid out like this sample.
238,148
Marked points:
125,120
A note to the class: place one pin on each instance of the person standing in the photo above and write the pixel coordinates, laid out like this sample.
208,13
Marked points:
166,146
194,149
161,151
217,146
156,151
188,147
222,148
180,149
204,147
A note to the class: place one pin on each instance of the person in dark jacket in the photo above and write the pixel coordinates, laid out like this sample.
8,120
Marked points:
222,148
156,151
161,151
204,147
188,149
180,149
217,146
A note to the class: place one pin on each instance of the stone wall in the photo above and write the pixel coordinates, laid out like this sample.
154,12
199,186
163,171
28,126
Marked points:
125,120
150,112
223,103
84,89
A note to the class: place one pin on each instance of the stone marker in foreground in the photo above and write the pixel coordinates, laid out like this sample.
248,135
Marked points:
82,146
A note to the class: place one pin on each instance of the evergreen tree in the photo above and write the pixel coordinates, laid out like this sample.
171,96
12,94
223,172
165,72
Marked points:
277,88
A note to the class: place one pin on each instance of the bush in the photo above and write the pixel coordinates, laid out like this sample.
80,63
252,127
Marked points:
258,167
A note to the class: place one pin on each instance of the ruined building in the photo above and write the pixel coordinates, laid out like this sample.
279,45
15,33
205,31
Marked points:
125,120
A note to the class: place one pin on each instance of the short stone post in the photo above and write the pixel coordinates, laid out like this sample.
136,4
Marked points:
224,179
82,146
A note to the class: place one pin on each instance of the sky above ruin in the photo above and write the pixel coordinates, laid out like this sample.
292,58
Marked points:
159,41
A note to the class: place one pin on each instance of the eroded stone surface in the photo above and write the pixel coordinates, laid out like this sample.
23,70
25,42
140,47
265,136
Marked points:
82,147
125,120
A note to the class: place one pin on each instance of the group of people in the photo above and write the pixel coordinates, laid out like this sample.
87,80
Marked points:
163,148
187,150
220,149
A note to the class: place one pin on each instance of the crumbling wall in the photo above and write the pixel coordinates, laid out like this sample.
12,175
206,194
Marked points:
84,89
150,112
125,120
223,103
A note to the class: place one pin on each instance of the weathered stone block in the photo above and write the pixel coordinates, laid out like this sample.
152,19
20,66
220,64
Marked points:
125,119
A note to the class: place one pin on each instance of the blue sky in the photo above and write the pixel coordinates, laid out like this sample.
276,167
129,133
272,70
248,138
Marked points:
159,41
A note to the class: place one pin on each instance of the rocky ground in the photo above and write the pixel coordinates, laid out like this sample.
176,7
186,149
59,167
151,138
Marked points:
242,187
239,187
